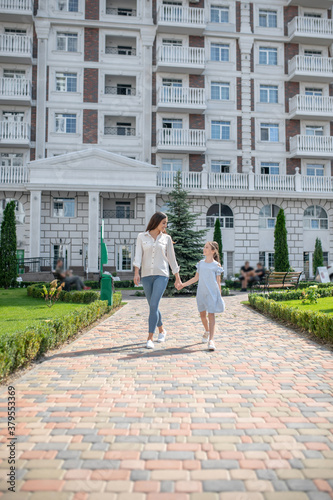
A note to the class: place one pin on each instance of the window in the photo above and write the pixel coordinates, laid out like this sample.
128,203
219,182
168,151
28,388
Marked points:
315,170
65,123
125,128
68,5
66,82
314,130
172,165
126,50
124,258
311,14
313,91
315,217
220,130
19,210
270,168
67,42
172,82
220,91
268,18
222,212
14,73
268,56
14,31
123,210
269,93
172,90
313,53
63,207
172,123
173,43
269,132
266,259
219,52
11,159
267,216
220,166
219,14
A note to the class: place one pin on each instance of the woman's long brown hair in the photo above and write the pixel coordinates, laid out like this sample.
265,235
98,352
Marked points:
215,247
155,220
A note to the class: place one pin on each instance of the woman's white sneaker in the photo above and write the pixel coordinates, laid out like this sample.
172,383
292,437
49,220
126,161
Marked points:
211,346
205,337
150,344
161,336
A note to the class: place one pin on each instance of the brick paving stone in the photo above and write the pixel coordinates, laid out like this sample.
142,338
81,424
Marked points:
105,419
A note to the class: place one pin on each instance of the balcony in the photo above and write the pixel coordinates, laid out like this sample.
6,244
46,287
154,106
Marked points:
15,91
118,214
311,69
319,4
120,11
181,99
16,10
15,46
182,140
14,133
311,30
311,106
120,131
119,90
311,146
178,19
244,183
179,59
14,175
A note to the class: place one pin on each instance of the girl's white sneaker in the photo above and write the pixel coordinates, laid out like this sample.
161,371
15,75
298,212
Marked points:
150,344
161,336
211,346
205,337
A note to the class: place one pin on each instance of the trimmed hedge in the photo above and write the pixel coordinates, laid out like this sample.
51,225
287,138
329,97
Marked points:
297,294
320,324
84,297
17,349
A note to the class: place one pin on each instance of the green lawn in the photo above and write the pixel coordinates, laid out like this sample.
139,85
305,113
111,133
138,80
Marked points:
17,310
324,305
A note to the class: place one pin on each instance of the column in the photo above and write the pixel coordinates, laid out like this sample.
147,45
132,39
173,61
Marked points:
147,57
35,222
245,44
93,231
42,30
150,205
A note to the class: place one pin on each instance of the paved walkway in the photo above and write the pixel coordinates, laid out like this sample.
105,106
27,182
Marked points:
105,419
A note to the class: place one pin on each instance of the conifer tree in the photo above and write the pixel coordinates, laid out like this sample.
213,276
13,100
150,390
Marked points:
318,259
218,237
188,241
8,260
281,257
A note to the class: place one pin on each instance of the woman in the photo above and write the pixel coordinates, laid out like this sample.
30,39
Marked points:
154,252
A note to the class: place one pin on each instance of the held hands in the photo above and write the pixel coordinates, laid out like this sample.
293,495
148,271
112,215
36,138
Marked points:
179,285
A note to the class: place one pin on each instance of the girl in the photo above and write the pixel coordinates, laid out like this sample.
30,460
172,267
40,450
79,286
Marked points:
154,252
209,298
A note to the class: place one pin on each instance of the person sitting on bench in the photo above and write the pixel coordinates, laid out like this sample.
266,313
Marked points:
259,276
68,278
247,272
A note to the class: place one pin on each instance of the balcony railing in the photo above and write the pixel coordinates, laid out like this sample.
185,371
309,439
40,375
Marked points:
268,182
190,180
176,14
314,104
14,131
228,181
181,138
16,5
311,26
181,55
14,175
118,214
182,95
120,11
129,51
15,44
317,184
119,90
120,131
15,87
311,145
311,64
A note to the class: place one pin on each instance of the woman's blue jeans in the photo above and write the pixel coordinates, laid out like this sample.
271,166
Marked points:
154,287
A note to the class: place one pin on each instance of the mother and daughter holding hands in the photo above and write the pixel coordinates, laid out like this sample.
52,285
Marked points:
154,253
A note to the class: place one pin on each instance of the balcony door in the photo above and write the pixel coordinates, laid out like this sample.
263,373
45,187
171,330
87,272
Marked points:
172,130
172,90
172,12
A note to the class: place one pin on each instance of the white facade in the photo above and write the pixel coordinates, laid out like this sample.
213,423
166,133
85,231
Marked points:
111,98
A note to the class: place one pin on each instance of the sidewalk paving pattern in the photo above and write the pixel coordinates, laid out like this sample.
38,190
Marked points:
105,419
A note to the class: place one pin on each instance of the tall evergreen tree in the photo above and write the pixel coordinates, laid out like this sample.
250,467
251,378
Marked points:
181,227
218,237
8,260
281,257
318,259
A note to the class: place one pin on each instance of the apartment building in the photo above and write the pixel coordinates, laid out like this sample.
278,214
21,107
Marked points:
103,101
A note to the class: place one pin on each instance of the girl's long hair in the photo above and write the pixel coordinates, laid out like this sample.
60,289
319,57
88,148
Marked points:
155,220
215,247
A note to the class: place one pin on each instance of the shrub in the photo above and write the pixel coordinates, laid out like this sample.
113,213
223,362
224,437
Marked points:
8,260
84,297
321,325
281,259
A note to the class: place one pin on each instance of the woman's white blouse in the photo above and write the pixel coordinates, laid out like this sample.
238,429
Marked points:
154,256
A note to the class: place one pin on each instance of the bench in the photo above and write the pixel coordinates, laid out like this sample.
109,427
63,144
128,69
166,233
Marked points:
281,280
